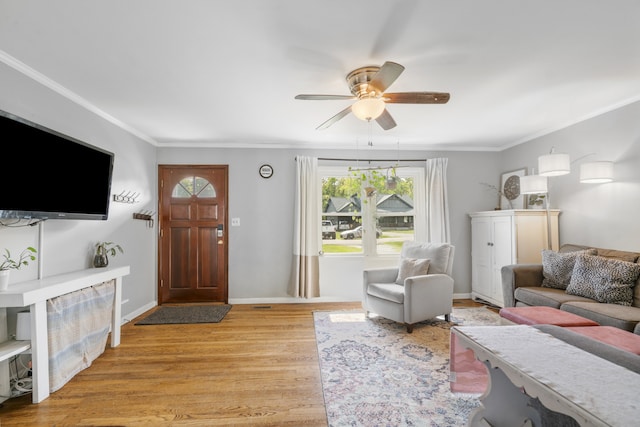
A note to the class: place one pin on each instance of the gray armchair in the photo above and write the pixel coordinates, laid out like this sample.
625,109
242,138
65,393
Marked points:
411,292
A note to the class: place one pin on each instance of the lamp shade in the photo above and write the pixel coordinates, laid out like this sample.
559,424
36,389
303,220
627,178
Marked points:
533,184
554,164
596,172
368,108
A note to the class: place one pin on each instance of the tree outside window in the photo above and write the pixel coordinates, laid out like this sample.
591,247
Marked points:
372,209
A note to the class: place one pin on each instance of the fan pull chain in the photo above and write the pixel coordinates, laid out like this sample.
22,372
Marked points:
370,143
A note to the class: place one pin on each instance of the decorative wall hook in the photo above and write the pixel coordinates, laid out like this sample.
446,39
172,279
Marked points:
128,197
145,216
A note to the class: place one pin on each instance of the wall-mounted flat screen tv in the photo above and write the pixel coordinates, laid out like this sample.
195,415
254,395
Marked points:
48,175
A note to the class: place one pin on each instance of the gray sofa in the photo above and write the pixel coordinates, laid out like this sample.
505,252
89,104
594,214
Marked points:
523,286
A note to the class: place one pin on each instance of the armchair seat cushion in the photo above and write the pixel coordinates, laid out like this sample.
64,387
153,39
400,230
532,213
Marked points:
388,291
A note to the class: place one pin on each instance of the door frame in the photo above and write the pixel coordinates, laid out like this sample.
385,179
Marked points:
161,168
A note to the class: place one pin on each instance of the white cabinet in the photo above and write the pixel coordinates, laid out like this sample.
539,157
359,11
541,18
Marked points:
506,237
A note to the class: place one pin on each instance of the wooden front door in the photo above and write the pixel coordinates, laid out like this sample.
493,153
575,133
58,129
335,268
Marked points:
193,233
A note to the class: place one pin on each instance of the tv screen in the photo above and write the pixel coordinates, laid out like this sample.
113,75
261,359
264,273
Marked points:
48,175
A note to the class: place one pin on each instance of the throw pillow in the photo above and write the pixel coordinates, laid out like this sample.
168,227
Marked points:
438,253
605,280
410,267
557,267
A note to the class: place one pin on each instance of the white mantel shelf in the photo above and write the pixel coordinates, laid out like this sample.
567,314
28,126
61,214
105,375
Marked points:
35,293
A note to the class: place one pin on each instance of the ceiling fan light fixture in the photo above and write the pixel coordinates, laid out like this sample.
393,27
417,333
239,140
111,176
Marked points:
368,108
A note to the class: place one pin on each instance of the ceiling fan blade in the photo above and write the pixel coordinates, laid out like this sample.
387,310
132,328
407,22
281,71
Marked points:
386,75
324,97
385,120
335,118
416,98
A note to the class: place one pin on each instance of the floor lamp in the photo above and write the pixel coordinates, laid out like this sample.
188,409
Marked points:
537,184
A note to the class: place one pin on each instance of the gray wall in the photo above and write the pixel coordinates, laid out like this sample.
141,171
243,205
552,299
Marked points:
260,249
67,245
602,215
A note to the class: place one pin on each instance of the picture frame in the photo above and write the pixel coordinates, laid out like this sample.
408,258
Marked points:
510,197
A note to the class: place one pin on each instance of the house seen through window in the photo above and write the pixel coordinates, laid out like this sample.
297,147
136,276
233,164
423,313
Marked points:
371,210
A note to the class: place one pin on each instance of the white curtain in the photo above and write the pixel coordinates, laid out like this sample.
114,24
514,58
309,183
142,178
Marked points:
305,276
437,201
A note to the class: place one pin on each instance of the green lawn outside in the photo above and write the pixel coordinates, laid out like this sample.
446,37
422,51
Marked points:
339,249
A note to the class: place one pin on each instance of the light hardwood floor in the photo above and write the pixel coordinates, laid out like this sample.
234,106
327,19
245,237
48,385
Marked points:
258,367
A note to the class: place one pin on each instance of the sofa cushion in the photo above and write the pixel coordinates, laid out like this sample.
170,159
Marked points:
620,316
557,267
569,247
620,255
438,253
549,297
410,267
606,280
607,253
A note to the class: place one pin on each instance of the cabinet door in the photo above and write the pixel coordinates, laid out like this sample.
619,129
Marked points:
503,247
531,232
481,242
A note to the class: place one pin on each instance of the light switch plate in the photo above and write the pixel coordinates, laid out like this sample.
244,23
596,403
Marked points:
235,222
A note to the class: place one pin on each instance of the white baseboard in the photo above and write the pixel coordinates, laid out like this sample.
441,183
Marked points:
127,318
292,300
462,296
289,300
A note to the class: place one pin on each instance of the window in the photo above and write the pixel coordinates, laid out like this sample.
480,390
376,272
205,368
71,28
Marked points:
373,210
193,186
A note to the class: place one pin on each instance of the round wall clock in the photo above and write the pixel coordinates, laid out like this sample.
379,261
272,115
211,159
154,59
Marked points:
266,171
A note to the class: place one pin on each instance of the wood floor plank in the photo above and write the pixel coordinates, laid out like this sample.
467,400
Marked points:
258,367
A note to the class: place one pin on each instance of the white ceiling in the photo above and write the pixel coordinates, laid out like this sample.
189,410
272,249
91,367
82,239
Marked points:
225,73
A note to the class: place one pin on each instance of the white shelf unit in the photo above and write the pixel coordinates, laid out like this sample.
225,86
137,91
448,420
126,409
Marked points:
503,237
34,295
9,349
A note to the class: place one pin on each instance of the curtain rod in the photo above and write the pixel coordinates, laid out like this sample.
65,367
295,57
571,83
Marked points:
372,160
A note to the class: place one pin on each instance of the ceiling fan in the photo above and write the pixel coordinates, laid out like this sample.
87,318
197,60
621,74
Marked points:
368,85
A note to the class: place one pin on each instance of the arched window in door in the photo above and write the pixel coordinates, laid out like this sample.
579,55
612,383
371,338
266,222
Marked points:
193,186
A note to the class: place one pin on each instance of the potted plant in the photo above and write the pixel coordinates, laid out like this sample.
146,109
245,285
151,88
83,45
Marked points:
10,263
391,182
103,250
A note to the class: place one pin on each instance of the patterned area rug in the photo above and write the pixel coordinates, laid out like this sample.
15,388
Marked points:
376,374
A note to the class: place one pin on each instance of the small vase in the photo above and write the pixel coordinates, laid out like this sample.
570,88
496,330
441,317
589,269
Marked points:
4,279
100,260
